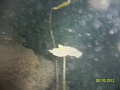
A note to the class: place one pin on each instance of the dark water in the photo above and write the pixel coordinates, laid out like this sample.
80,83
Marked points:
91,27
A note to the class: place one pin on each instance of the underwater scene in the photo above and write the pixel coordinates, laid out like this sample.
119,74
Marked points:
59,44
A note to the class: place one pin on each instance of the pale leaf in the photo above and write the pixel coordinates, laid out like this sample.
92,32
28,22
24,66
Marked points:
63,51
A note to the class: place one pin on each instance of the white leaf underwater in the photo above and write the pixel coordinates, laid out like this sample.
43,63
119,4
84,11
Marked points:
63,51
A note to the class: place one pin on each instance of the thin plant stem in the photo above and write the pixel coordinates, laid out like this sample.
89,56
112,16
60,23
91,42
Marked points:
64,73
56,72
51,31
53,41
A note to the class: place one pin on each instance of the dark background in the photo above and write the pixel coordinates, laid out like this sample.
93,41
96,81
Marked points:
74,25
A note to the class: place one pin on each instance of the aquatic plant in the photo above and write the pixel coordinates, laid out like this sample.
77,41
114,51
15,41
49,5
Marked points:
62,5
63,51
